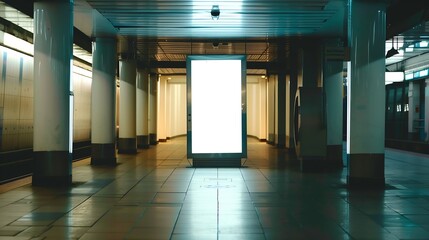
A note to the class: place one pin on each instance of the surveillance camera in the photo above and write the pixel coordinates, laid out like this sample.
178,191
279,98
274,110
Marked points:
215,12
215,45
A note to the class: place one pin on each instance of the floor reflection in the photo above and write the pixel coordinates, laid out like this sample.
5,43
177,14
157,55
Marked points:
157,195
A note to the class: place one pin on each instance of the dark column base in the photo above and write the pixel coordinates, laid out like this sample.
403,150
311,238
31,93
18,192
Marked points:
365,183
153,139
271,139
366,171
52,169
312,164
127,145
143,141
334,156
103,154
282,141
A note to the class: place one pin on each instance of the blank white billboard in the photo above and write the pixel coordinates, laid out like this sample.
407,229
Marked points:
216,105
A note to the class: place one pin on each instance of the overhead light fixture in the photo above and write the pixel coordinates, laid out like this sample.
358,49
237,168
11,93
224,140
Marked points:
410,48
392,51
423,44
215,12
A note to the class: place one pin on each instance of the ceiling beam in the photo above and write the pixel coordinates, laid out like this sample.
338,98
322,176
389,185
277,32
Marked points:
182,64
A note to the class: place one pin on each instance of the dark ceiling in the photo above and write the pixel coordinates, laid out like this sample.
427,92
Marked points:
168,30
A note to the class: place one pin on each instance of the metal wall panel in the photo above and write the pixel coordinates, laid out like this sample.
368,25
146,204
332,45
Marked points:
11,106
16,102
82,107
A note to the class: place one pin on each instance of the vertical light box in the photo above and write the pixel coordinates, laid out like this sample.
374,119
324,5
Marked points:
216,88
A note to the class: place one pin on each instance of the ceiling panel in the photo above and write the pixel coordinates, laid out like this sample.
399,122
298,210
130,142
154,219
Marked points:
238,18
169,30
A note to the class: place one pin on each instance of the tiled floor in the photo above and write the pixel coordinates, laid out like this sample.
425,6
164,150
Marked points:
156,195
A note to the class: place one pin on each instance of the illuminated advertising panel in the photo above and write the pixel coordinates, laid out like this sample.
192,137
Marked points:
216,106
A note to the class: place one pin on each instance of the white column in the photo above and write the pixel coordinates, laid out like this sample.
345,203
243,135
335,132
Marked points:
127,142
162,110
53,101
366,95
263,109
271,109
142,109
294,65
103,101
153,88
312,131
281,96
333,84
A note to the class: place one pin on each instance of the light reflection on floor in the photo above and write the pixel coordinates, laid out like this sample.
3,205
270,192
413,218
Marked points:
156,195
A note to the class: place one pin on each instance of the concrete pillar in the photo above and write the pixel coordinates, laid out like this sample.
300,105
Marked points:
162,110
271,109
53,93
312,131
333,84
153,89
293,84
281,96
142,109
366,95
312,64
263,109
103,101
127,142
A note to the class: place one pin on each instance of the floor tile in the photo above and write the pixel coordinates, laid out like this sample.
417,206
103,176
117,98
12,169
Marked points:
11,230
194,236
169,197
65,232
155,194
409,232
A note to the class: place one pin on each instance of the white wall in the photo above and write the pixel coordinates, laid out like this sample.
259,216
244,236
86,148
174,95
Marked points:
173,99
177,110
257,107
253,109
172,106
272,109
